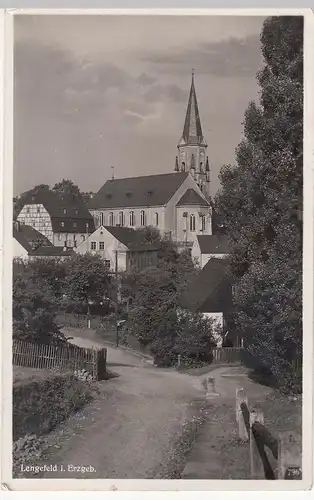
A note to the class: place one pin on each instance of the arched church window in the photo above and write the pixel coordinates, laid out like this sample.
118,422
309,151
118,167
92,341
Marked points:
203,222
192,222
183,166
156,219
143,218
111,219
102,219
132,219
121,218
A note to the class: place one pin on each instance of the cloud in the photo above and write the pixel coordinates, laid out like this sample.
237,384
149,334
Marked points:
237,57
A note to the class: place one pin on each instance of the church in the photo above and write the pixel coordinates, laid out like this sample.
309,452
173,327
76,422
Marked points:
176,203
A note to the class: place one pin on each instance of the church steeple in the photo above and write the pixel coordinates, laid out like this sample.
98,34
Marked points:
192,130
192,145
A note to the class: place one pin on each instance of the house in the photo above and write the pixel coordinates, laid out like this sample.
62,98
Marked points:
122,248
208,246
178,203
29,244
62,218
210,293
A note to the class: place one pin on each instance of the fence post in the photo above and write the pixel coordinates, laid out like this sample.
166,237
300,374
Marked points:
241,397
289,456
101,363
257,468
179,360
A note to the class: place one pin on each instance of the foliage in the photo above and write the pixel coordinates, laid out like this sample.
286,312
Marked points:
67,186
260,200
154,318
39,405
86,279
34,310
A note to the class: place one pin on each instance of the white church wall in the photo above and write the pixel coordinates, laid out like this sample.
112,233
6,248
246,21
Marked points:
149,212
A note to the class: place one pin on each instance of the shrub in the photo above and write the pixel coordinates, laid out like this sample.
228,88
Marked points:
40,405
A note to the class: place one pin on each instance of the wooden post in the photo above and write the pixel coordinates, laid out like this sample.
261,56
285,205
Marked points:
241,397
101,363
179,360
257,468
289,456
210,387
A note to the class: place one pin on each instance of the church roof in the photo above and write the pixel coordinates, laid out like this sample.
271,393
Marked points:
191,197
148,190
213,243
192,131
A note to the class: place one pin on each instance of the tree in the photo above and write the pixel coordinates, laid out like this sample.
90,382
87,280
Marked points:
51,272
154,317
67,186
260,199
87,279
34,310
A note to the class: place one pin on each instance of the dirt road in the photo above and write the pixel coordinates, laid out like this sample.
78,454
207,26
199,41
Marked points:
129,430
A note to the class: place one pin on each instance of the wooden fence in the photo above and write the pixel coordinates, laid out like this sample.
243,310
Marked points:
227,355
270,458
60,357
80,320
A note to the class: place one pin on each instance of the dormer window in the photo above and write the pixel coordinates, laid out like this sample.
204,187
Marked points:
74,224
64,211
76,211
62,224
109,195
149,193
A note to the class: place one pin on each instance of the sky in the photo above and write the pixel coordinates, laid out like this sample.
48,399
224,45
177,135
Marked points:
91,92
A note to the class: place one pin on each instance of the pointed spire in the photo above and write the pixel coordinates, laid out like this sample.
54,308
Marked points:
176,168
192,131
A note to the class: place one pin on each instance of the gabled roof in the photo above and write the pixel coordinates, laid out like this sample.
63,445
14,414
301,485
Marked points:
63,208
132,239
148,190
211,290
52,251
191,197
213,243
28,237
192,130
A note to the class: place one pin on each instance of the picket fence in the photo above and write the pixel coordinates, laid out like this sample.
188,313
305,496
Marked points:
227,355
61,358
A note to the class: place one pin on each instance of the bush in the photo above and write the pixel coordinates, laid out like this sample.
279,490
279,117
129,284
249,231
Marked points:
40,405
